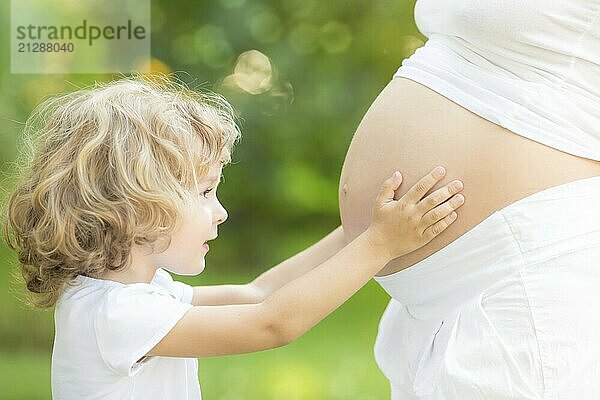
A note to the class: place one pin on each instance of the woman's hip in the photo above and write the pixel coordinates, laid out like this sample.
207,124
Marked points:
531,335
508,306
545,225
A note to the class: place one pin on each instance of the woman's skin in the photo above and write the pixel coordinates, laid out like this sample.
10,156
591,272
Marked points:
412,128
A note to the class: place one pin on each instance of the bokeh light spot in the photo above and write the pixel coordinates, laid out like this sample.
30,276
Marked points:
253,73
153,66
335,37
211,43
303,38
300,8
183,50
265,26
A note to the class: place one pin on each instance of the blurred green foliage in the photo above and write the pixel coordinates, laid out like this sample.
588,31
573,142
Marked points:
300,73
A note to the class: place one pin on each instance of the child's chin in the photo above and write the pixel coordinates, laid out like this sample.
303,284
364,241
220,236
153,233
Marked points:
200,267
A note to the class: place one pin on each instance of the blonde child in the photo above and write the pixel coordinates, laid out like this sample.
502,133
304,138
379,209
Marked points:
120,188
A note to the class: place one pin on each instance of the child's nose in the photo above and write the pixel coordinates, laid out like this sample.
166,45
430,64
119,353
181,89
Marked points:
221,214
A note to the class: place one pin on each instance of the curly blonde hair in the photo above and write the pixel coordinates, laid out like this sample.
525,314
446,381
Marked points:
107,167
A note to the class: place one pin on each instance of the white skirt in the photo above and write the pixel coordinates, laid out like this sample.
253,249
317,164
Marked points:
509,310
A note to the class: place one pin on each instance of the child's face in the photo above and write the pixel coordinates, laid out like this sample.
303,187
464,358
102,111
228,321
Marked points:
185,255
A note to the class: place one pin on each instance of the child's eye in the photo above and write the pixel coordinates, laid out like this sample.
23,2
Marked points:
206,192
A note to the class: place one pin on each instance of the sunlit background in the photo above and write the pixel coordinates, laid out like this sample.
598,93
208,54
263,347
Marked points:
301,74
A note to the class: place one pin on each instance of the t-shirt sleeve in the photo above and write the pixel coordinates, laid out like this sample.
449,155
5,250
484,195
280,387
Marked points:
131,321
180,290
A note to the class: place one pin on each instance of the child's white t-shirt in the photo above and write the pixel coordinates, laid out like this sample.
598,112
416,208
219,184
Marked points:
103,328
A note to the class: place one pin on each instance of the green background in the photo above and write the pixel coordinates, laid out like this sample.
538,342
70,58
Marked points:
329,61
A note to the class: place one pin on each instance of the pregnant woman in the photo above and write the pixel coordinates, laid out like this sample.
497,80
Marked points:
503,305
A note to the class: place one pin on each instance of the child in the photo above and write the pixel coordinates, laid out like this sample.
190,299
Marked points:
135,163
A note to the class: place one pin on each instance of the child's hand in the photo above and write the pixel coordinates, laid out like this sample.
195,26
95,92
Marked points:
401,226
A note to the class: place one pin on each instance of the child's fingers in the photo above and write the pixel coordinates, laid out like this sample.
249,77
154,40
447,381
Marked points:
439,227
388,188
416,193
442,211
439,196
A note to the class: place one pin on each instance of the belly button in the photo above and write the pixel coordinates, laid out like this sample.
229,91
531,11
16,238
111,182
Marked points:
345,189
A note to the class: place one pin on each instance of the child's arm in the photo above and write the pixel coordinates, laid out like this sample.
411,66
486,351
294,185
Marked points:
398,227
271,280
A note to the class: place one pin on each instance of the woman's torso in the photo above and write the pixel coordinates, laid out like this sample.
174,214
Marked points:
412,128
488,70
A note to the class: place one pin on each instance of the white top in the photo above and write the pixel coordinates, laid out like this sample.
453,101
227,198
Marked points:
104,327
530,66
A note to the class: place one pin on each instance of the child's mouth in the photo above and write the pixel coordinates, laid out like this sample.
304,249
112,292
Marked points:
205,244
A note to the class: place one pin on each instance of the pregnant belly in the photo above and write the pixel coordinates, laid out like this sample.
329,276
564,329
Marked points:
411,128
